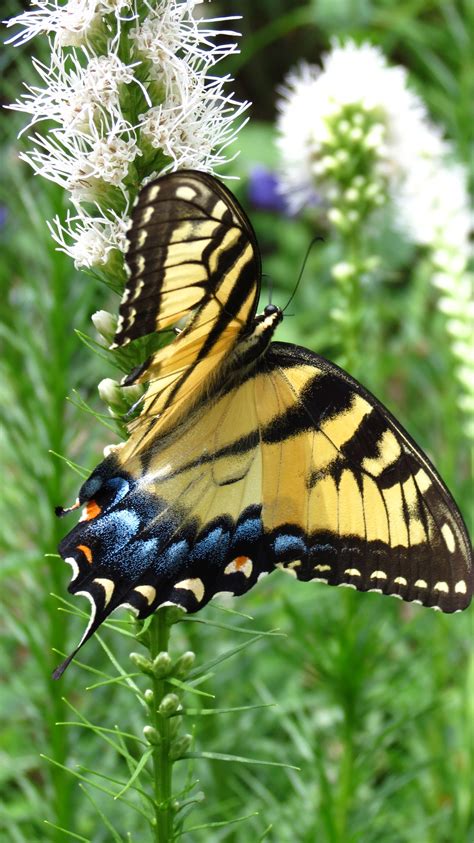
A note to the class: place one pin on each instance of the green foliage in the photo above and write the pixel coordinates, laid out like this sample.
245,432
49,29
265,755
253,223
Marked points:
364,702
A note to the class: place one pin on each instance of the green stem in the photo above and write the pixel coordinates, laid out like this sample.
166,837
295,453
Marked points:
346,779
352,302
162,765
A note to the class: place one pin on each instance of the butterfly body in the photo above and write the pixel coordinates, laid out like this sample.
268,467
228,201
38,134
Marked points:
248,454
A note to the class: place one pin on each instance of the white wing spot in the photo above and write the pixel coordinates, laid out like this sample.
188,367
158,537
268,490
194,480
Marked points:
375,590
352,572
422,480
320,579
322,568
421,584
378,575
346,585
153,192
140,284
442,586
75,567
108,586
142,238
195,585
147,215
459,588
187,193
400,581
448,537
148,592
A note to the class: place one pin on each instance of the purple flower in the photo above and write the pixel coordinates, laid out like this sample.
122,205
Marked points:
264,190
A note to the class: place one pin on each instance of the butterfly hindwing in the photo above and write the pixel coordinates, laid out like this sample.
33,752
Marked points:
295,466
373,512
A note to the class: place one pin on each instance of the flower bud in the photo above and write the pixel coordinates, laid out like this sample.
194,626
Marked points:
179,746
328,163
341,157
105,324
169,705
336,217
356,134
184,664
149,697
110,392
143,664
352,195
343,270
151,735
162,665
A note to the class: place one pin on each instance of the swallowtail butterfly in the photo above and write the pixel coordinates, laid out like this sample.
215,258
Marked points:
248,454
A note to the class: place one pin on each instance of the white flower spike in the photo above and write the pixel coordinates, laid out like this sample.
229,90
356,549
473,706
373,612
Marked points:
355,133
117,124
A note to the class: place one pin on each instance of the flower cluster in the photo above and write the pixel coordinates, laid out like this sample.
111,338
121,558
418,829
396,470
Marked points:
353,134
128,92
353,128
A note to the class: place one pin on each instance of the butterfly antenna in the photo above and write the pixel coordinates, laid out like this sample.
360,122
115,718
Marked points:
270,286
316,239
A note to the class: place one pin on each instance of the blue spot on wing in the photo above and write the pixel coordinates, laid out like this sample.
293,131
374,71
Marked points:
173,558
136,558
286,545
250,530
212,547
117,528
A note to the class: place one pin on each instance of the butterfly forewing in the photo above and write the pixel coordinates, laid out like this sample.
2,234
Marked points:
192,258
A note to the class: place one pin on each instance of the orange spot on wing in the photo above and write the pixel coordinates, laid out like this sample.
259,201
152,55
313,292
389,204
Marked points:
86,551
240,561
92,510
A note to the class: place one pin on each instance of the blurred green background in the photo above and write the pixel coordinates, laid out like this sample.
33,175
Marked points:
372,699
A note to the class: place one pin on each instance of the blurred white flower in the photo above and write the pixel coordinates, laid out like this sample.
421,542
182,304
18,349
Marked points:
355,100
354,132
109,125
434,204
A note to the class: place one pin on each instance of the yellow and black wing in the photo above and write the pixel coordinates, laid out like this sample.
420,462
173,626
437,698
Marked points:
295,466
192,260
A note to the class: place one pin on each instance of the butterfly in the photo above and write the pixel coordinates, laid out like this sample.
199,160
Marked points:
247,454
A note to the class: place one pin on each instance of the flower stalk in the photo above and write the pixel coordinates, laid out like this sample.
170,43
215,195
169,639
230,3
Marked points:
354,139
163,702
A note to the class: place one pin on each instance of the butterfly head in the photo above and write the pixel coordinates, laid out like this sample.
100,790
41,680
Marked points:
268,320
